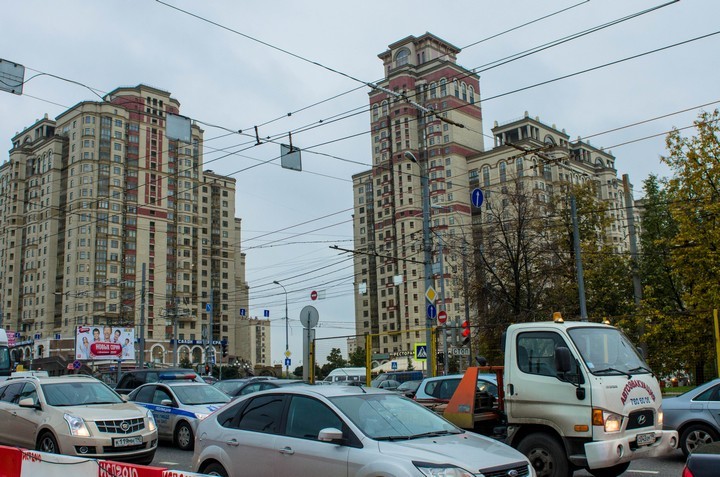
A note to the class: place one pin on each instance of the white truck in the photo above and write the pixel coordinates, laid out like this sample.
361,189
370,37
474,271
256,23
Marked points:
5,363
571,395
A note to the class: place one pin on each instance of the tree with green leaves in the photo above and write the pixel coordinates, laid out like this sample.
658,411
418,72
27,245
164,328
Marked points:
357,358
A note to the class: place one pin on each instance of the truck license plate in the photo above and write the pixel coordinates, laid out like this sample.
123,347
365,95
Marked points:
645,439
127,441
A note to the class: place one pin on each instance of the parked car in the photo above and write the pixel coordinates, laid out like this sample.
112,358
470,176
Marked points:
399,376
137,377
703,462
439,389
209,379
178,404
408,388
694,415
241,387
75,415
389,384
343,430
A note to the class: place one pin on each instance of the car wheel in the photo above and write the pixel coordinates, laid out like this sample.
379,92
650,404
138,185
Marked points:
48,443
694,436
215,469
613,471
545,454
184,437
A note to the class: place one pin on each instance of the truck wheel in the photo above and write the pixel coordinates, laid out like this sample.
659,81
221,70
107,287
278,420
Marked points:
694,436
546,455
613,471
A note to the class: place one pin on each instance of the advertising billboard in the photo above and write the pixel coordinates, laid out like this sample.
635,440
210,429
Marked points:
104,342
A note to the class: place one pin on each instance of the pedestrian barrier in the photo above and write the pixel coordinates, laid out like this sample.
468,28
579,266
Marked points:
16,462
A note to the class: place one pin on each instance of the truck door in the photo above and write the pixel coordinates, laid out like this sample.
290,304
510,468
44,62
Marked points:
534,393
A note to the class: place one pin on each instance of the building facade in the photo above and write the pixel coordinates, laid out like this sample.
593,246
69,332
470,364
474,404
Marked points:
104,219
254,341
388,213
428,108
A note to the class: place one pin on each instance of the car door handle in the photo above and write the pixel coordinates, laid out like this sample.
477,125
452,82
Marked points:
287,450
232,442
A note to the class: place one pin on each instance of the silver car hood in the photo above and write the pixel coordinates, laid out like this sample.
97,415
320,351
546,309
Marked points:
106,412
467,450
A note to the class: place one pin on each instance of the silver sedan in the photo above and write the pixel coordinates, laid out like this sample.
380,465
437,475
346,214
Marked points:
695,415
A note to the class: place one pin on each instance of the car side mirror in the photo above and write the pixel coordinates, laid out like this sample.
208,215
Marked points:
562,359
29,403
330,434
167,403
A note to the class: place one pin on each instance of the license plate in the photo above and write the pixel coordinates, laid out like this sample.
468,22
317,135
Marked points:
645,439
127,441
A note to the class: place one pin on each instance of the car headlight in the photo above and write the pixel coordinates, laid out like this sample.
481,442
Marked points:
612,422
201,416
429,469
661,415
151,421
77,426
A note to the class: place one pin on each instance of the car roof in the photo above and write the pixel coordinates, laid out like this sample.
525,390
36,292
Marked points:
67,378
327,391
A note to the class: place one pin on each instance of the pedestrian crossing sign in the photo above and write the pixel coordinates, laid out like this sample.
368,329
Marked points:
421,352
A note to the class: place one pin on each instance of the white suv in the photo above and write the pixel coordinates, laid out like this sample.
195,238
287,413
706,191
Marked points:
75,415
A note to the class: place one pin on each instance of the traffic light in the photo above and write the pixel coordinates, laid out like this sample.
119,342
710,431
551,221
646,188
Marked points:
224,349
465,333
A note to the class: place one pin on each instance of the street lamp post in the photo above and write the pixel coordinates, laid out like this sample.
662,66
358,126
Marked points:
427,247
287,347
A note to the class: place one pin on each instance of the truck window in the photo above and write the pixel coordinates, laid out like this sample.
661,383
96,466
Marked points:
536,353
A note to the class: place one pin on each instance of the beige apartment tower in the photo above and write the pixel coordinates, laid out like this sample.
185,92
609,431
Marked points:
89,200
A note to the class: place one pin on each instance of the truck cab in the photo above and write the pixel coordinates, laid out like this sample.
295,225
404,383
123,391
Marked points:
580,395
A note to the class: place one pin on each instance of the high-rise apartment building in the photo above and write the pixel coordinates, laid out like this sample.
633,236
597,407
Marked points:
388,213
254,341
105,219
421,74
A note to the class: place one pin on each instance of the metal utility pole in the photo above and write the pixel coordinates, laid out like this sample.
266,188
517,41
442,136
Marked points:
210,345
630,210
142,319
446,361
287,335
467,300
578,259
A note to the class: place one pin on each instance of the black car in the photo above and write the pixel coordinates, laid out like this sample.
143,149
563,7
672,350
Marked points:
703,462
240,387
137,377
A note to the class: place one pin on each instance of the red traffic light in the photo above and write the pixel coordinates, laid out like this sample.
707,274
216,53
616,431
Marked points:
466,332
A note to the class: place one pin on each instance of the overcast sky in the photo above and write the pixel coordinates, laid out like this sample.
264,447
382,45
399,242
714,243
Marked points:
225,78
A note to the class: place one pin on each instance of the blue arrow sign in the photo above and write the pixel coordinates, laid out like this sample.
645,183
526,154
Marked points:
431,311
208,307
266,313
476,197
287,361
242,311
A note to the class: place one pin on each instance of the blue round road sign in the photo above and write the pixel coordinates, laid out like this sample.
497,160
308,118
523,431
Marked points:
476,197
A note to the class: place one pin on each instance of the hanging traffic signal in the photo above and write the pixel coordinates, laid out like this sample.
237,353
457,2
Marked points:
465,332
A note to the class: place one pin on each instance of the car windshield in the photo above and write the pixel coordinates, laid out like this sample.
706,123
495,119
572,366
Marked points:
79,394
229,387
392,417
203,394
409,386
608,351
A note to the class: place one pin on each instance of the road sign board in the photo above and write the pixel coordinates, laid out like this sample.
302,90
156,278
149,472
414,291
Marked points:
421,352
476,197
430,294
287,353
69,366
57,336
393,365
242,311
287,361
442,317
431,311
309,316
461,351
313,295
266,313
76,364
208,307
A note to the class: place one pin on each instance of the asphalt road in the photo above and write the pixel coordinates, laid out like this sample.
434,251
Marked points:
173,458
